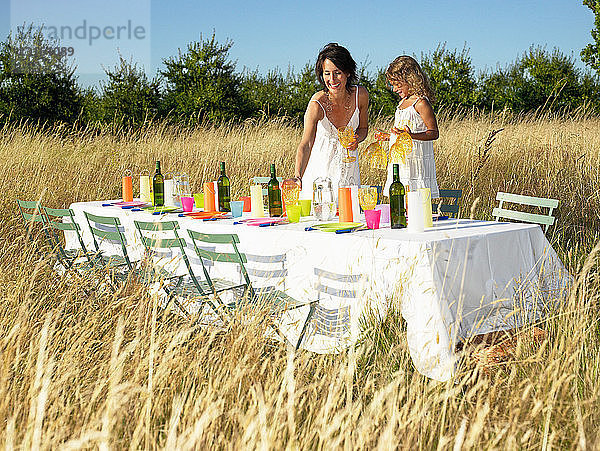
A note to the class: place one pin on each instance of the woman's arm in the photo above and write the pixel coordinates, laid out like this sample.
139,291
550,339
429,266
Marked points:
423,107
312,115
363,123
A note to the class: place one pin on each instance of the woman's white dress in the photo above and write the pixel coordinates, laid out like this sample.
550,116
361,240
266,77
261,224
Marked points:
326,157
419,169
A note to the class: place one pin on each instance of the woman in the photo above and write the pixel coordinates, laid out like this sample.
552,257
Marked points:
340,103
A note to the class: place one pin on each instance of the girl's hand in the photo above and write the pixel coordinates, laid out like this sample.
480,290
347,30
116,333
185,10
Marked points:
381,135
405,129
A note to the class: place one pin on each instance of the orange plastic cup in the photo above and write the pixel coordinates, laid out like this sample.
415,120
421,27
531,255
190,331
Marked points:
345,204
209,196
247,204
127,189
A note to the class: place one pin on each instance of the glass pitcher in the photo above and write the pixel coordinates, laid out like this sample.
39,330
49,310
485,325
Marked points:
323,200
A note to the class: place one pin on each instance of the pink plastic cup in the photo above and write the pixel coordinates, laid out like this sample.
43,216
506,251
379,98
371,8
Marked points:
385,213
372,217
187,203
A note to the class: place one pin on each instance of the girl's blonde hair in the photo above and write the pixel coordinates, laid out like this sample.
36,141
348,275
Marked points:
406,69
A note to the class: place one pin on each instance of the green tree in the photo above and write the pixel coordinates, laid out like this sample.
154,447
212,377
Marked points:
591,53
201,84
36,80
128,96
538,79
451,76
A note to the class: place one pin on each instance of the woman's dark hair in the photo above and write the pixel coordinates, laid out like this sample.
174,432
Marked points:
342,59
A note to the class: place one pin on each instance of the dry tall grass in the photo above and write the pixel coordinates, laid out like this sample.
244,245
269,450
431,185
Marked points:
99,370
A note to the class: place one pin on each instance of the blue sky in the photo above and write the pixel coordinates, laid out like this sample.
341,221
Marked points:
280,34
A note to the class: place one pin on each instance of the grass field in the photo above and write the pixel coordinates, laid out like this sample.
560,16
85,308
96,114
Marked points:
98,370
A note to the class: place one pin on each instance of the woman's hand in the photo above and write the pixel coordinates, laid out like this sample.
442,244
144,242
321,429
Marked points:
353,145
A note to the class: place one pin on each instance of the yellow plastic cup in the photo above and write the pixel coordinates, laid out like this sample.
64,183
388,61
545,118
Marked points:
293,213
199,200
305,205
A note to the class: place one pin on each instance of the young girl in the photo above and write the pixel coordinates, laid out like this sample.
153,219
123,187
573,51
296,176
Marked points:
415,116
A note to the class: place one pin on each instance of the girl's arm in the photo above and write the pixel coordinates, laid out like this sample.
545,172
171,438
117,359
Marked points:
424,109
312,115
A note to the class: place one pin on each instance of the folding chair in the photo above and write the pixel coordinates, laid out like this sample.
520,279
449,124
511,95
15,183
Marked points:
331,323
449,209
161,243
276,301
263,181
54,219
108,234
541,202
379,189
267,272
33,217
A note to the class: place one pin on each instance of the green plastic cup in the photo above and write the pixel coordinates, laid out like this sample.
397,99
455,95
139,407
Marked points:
305,205
293,213
199,200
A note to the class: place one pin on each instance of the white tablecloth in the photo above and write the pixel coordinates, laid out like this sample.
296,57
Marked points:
455,280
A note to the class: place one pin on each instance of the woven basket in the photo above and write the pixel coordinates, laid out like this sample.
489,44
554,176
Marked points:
494,349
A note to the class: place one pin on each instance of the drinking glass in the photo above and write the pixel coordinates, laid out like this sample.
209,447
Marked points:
346,137
367,197
401,148
290,191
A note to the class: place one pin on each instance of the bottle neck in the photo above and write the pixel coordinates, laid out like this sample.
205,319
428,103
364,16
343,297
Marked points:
273,171
223,168
396,176
158,167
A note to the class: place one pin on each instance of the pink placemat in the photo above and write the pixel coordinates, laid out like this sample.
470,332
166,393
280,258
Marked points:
134,203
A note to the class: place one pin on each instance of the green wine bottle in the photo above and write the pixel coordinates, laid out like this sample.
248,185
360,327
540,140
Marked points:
274,195
158,187
397,211
224,191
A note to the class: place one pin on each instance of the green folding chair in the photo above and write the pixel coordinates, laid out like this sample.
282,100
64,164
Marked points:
276,301
33,217
542,219
161,242
108,234
264,181
330,323
55,220
266,272
451,209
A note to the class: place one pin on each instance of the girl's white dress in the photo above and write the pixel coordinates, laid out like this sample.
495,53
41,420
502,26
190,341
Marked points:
419,169
326,157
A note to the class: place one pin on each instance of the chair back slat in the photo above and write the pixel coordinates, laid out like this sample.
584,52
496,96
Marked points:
543,219
106,220
337,292
267,273
55,219
220,257
214,238
346,278
451,209
523,216
279,258
527,200
36,213
110,235
163,243
157,226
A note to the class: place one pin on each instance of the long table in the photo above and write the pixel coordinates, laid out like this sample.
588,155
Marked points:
455,280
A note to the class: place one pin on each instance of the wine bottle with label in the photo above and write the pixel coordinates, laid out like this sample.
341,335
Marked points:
158,187
274,193
397,211
224,190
